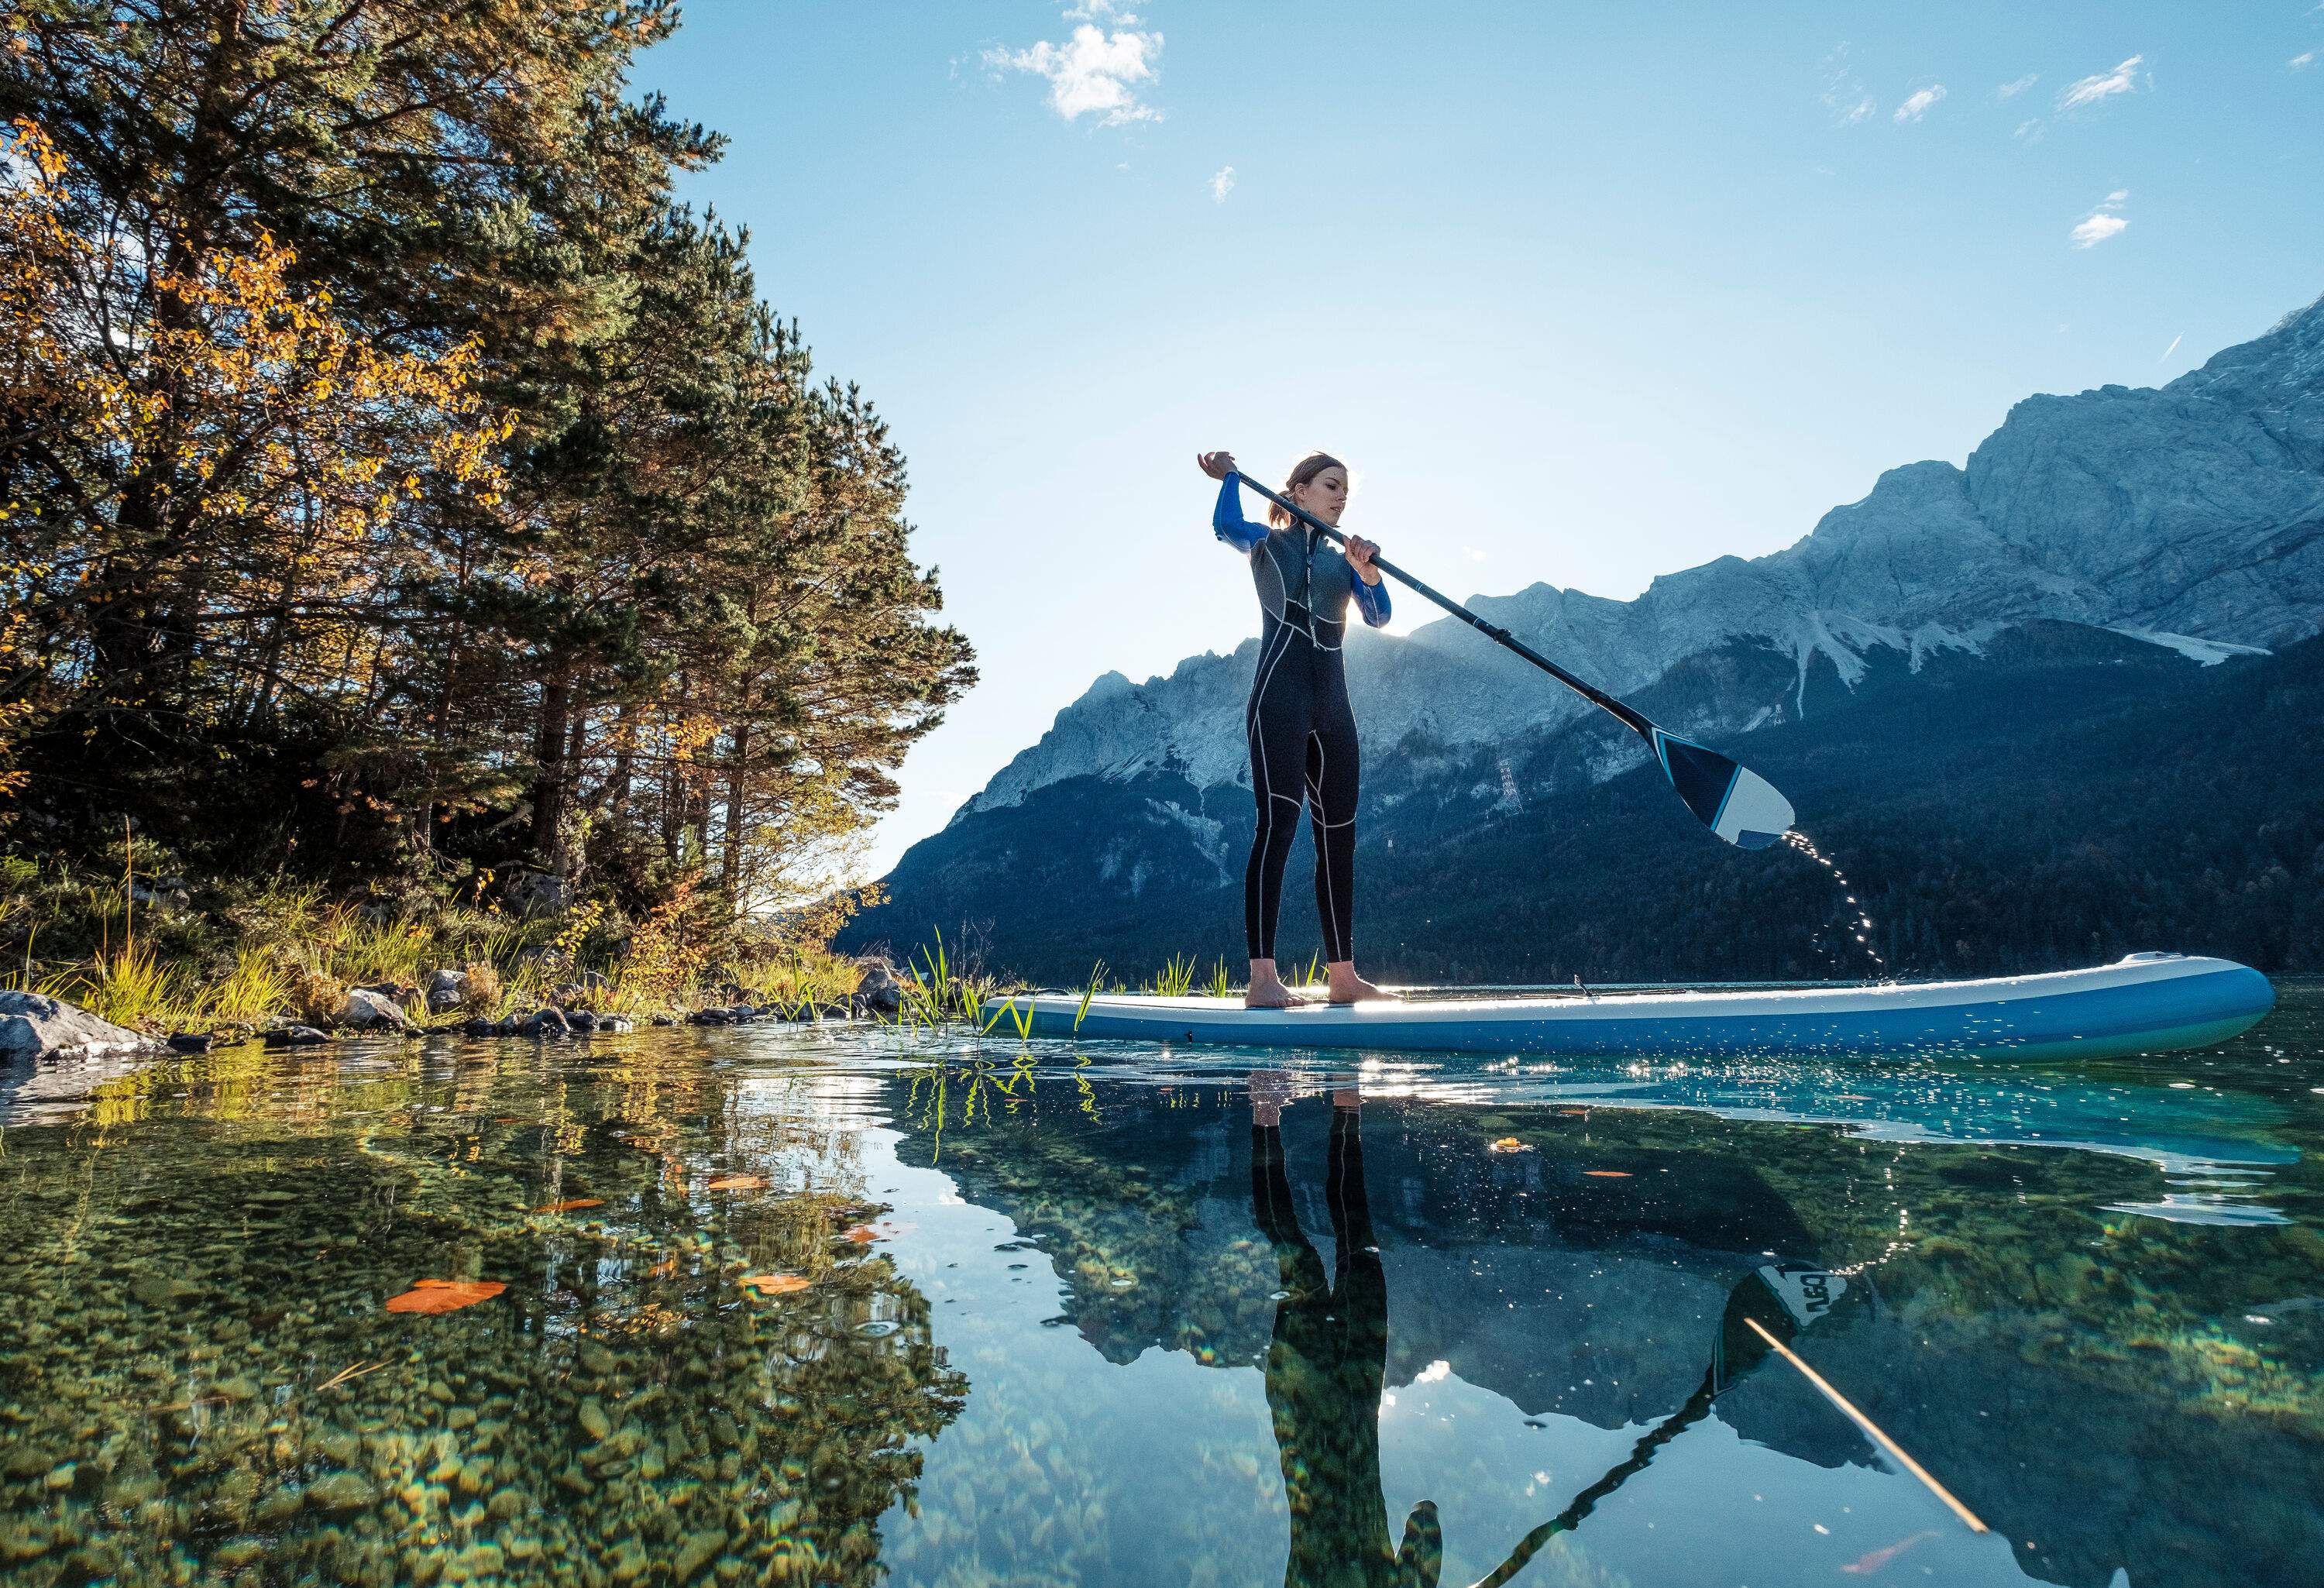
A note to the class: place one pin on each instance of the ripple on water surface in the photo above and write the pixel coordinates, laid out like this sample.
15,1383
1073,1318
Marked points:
821,1306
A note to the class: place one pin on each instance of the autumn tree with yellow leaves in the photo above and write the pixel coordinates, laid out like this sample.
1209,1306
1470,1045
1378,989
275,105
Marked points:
396,480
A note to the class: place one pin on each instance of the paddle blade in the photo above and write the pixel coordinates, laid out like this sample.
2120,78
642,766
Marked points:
1727,797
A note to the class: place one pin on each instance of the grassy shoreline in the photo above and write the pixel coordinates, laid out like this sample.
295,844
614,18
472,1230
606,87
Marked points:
225,956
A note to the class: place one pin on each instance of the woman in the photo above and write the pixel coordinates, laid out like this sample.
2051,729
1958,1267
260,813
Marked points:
1298,725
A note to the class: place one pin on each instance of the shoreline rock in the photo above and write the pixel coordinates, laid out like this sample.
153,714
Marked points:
367,1007
38,1030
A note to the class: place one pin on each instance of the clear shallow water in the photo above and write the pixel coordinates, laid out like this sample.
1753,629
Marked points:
1069,1316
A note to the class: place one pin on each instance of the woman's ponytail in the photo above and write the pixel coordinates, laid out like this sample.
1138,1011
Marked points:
1302,473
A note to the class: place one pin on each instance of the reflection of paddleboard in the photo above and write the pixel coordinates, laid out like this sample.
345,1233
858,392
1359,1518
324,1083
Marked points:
2148,1002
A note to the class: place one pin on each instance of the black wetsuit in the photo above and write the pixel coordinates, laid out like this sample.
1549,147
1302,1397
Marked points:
1298,725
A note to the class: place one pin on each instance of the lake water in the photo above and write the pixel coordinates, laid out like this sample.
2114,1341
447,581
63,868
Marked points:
1035,1315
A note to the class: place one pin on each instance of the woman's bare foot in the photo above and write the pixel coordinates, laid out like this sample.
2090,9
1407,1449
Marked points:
1347,987
1266,990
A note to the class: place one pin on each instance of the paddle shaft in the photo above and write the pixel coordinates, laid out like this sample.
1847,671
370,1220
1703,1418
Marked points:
1494,631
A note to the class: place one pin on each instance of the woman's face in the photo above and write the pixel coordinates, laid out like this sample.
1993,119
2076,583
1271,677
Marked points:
1325,495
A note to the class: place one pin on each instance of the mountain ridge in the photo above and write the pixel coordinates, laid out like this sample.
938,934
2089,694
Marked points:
2190,515
2047,706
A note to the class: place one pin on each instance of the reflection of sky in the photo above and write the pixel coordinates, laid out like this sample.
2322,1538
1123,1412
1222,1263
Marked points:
1159,1466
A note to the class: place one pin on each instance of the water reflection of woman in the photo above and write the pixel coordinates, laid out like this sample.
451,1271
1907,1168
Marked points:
1327,1366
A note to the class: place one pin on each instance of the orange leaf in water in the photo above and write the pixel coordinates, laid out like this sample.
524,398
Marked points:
862,1235
665,1268
571,1203
736,1182
1871,1561
434,1295
1507,1144
1609,1174
774,1284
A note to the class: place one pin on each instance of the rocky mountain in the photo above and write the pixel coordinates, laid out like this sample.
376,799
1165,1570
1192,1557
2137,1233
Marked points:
2185,521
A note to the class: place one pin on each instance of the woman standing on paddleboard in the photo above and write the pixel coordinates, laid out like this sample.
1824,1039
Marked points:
1299,726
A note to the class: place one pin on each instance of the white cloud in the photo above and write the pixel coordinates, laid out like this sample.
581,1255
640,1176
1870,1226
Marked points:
1918,107
2167,352
2011,90
2089,90
2030,129
2103,222
2096,229
1093,72
1223,184
2302,62
1843,94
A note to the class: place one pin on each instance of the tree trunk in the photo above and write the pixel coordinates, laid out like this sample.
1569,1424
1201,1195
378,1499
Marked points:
737,784
551,783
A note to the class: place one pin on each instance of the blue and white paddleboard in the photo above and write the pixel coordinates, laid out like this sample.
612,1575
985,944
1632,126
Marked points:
2146,1003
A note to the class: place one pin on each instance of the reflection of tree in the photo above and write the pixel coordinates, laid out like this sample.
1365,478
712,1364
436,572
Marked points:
1324,1373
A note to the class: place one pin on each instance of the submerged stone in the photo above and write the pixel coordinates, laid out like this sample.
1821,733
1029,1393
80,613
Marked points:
340,1492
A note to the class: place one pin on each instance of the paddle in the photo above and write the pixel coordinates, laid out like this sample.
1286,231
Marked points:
1792,1295
1727,797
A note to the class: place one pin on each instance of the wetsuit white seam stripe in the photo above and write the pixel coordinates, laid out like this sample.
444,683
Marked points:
1322,866
1258,773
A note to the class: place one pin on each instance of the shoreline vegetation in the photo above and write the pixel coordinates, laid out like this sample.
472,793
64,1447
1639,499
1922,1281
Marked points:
422,548
280,960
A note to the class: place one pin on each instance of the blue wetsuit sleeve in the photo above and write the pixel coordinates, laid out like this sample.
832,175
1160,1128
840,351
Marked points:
1227,521
1371,599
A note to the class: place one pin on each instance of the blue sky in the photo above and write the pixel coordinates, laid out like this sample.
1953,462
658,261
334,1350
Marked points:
1583,294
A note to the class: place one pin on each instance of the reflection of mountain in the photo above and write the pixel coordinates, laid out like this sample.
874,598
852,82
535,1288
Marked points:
1147,1216
1990,691
2083,1384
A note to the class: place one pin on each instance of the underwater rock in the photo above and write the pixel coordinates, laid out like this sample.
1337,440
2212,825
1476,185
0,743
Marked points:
697,1552
190,1041
480,1027
340,1492
367,1007
593,1418
39,1028
707,1017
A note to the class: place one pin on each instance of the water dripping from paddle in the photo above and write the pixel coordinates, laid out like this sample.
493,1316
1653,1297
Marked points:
1862,928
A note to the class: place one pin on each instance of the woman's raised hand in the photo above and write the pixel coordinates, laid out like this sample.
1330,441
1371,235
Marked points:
1217,465
1359,554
